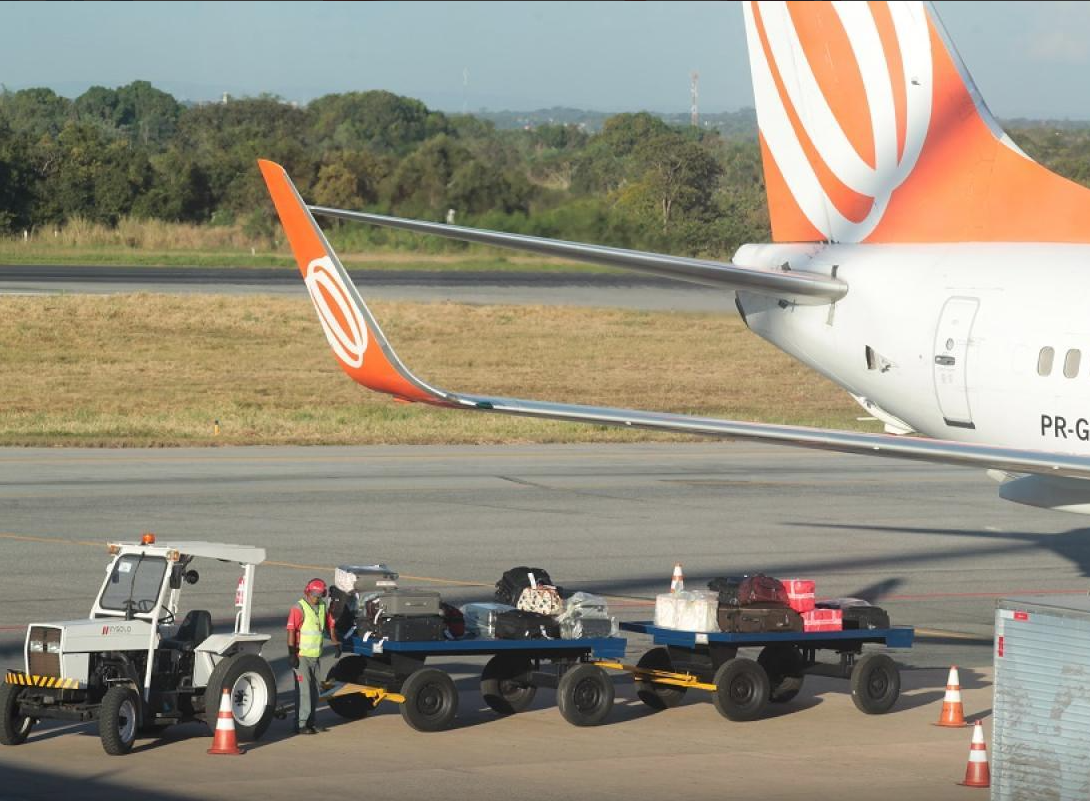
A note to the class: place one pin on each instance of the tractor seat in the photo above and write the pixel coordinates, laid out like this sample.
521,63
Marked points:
196,628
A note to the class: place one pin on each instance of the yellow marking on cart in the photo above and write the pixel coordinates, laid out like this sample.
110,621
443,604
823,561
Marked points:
686,680
377,694
53,682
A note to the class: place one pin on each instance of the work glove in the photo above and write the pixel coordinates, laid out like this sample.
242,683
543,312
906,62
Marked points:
337,649
293,657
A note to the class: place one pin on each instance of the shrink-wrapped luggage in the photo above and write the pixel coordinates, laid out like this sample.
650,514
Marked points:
688,610
364,578
480,618
586,615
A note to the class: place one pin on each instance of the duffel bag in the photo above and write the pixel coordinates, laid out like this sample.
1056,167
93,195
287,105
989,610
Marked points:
454,622
515,580
762,590
543,599
727,587
864,617
520,625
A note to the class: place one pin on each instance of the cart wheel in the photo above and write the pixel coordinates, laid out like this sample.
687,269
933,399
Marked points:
585,695
876,683
741,689
784,665
14,728
657,696
252,687
431,700
352,706
499,691
118,720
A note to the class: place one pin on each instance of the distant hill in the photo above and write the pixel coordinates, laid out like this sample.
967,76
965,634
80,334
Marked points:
731,124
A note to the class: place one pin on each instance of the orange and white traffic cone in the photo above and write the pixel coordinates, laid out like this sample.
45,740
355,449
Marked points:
677,582
224,742
977,773
953,712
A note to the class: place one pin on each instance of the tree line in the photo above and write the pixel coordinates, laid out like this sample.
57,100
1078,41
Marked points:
639,182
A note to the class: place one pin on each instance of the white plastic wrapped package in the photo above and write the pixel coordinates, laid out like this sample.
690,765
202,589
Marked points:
585,603
688,610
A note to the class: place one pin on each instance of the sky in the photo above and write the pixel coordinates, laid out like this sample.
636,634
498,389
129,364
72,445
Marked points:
1028,58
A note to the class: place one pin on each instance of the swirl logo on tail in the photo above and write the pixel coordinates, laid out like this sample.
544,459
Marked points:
344,326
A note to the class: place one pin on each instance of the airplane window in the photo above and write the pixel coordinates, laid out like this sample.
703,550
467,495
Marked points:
1071,363
1044,361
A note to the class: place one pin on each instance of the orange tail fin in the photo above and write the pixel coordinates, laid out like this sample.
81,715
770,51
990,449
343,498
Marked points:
872,130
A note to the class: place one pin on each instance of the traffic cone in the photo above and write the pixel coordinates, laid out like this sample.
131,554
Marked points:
224,742
977,773
953,713
677,582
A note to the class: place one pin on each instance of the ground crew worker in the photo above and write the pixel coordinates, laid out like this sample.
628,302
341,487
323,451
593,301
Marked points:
308,621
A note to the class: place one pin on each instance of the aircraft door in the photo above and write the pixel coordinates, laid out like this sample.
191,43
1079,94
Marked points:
951,353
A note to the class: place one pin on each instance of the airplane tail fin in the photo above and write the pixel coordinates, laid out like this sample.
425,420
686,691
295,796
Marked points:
361,348
872,130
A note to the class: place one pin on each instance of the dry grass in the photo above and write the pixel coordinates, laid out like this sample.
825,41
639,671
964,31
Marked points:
158,370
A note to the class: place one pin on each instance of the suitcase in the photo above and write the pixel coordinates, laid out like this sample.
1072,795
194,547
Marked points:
515,580
343,609
403,602
586,604
865,617
576,628
758,619
727,587
822,620
480,618
364,578
762,590
800,594
519,625
403,628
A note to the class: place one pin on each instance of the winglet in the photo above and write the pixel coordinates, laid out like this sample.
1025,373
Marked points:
351,330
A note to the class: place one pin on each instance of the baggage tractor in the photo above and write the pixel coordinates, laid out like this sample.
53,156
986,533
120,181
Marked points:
758,619
517,579
403,628
480,618
403,602
520,625
364,578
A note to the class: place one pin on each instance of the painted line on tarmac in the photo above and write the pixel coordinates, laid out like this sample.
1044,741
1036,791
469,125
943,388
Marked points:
936,595
53,540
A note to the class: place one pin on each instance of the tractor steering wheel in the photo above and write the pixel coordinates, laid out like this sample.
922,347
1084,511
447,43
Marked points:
166,617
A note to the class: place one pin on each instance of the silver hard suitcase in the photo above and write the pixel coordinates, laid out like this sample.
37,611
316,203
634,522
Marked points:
364,578
481,617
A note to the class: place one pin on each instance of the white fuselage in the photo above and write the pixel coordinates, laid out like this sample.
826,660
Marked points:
947,338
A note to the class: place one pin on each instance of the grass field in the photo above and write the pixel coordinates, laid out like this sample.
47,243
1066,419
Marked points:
139,370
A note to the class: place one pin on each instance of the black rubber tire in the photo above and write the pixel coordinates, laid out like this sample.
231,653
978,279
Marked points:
741,689
585,695
352,706
876,684
784,665
236,673
507,697
431,700
14,728
119,720
658,696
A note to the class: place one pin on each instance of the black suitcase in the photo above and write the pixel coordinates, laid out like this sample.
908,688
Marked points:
403,628
758,619
727,587
865,617
515,580
519,625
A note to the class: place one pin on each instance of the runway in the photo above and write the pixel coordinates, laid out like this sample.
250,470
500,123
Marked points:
518,288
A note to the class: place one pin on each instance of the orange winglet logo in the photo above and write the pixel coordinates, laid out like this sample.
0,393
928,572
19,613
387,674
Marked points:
871,130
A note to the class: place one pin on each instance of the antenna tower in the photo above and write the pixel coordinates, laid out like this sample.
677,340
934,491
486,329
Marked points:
694,113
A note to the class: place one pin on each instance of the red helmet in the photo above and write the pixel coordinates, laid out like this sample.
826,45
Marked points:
316,586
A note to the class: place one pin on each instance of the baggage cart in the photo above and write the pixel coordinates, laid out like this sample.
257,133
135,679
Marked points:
371,672
742,688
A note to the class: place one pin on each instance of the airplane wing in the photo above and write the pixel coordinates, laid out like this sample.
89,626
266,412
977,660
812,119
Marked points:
365,354
803,288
